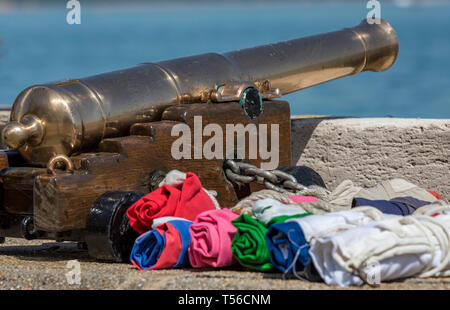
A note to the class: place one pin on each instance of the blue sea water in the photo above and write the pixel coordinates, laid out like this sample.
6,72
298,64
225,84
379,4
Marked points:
39,46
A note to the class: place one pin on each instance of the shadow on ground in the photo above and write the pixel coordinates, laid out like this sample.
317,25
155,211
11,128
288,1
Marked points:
47,251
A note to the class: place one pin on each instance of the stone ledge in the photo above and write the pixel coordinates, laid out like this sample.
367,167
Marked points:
369,150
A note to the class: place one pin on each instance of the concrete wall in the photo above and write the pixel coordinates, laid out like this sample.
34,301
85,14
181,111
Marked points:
368,150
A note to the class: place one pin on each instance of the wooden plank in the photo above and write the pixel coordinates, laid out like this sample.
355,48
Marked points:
275,112
210,172
3,160
17,186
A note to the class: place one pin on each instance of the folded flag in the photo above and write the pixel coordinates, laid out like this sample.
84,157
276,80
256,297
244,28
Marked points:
287,247
161,220
166,246
438,197
270,211
397,206
211,236
307,199
249,245
185,200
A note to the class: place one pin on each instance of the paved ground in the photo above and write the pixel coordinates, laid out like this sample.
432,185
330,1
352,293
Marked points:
43,265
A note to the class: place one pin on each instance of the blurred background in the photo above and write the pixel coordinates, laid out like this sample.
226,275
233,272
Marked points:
37,45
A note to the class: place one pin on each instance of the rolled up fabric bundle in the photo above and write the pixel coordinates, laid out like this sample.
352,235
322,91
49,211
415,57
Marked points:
385,250
211,237
166,246
185,200
287,247
176,178
288,242
249,245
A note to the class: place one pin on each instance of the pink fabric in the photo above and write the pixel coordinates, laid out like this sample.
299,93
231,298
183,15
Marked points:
211,236
303,198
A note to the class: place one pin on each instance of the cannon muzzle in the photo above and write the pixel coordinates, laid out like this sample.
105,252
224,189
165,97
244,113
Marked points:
74,115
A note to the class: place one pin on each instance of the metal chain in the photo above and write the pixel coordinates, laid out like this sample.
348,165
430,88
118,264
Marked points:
277,180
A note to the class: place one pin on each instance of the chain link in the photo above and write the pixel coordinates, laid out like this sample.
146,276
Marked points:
244,173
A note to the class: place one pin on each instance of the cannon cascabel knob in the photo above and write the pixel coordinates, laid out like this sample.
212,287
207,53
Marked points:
29,130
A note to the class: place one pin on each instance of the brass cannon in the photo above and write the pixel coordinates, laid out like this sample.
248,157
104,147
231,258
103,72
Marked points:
97,143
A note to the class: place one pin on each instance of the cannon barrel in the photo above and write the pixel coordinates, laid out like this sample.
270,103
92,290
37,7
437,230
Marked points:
71,116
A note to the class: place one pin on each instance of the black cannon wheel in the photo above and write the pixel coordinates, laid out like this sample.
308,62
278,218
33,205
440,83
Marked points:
304,175
109,235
